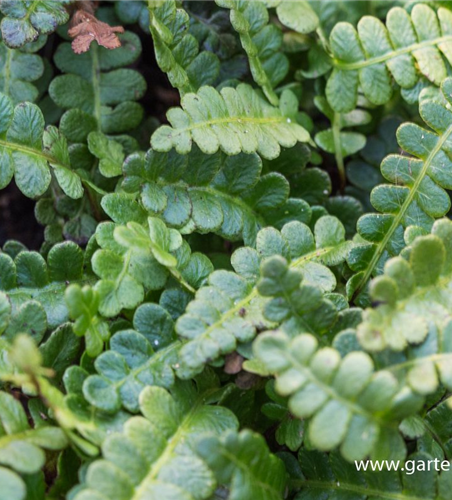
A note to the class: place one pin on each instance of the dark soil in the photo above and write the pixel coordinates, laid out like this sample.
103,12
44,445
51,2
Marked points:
17,220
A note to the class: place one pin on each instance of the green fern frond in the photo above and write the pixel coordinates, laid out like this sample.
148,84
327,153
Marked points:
20,69
415,311
131,364
155,455
24,21
243,463
212,193
35,288
177,51
332,475
27,152
140,256
21,447
404,49
234,120
96,91
417,197
295,305
345,401
261,42
85,426
229,309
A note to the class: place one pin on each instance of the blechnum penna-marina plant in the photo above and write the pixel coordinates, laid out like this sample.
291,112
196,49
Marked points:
236,281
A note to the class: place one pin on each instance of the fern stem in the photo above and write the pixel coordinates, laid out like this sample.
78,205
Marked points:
96,85
172,443
338,150
181,280
435,437
390,55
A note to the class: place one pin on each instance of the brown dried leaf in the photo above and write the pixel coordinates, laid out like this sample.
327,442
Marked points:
86,28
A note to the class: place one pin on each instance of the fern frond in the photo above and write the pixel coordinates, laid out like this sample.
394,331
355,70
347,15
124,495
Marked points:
345,401
295,305
21,447
434,431
177,51
418,195
98,93
35,288
154,457
83,305
21,365
261,42
140,256
212,193
19,70
415,311
127,368
28,151
243,463
234,120
24,21
405,48
229,309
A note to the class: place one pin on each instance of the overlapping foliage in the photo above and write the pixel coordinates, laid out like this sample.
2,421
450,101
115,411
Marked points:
238,302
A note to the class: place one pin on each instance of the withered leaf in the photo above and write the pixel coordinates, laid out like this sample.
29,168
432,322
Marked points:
86,28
